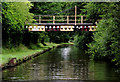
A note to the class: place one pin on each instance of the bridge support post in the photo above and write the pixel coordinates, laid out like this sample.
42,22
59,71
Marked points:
75,13
39,19
81,19
68,19
53,19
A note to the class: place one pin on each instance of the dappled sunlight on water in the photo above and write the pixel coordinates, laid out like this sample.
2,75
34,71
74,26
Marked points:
65,52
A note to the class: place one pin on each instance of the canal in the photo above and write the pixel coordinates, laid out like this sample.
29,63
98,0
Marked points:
64,63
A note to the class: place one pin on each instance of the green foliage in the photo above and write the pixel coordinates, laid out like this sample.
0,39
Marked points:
48,8
61,36
92,11
35,46
107,40
15,15
100,10
0,12
83,38
21,51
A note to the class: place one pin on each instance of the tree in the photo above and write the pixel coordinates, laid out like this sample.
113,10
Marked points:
107,40
82,38
14,17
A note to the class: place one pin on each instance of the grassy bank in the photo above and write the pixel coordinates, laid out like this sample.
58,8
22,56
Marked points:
23,51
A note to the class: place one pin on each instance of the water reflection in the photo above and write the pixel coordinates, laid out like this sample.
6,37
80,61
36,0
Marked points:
65,52
67,63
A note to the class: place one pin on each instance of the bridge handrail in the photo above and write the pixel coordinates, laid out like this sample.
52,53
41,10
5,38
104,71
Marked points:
57,15
39,19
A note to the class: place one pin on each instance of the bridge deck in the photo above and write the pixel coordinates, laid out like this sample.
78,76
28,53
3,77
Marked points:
48,24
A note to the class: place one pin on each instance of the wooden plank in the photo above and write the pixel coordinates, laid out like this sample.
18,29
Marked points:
61,20
57,15
69,16
61,24
57,20
61,16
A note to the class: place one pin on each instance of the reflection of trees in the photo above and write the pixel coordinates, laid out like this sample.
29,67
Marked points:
19,72
91,70
77,69
80,63
52,65
97,71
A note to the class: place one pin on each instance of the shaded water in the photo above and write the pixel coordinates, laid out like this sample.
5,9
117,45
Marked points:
65,63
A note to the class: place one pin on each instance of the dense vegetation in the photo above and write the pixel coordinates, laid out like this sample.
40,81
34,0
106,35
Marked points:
105,42
83,38
14,17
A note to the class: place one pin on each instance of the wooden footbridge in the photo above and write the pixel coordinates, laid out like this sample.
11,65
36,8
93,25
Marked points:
61,23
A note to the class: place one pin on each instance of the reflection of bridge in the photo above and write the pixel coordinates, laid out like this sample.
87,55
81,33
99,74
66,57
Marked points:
60,23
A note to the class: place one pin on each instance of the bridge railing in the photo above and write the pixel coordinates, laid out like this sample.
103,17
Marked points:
59,18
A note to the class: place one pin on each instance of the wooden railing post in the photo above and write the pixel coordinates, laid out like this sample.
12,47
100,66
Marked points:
75,13
39,19
96,22
81,19
67,19
53,19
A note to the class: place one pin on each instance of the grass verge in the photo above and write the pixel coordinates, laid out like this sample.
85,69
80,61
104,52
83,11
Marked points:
23,51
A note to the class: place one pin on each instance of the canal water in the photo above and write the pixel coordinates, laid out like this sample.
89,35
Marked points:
65,63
